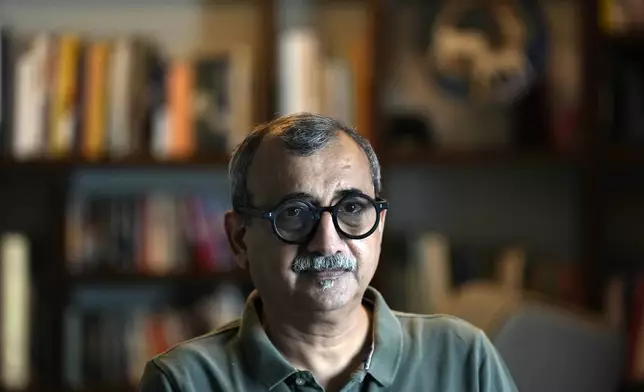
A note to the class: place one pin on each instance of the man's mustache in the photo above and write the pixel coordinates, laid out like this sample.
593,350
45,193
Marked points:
316,263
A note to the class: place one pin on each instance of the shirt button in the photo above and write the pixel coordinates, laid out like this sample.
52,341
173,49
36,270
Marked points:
300,381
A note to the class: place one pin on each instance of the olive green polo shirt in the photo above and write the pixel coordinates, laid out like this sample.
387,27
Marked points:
410,352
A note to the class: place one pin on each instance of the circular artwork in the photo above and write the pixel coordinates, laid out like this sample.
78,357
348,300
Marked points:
488,50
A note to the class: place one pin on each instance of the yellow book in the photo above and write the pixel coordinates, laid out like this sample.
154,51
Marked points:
95,126
613,16
63,109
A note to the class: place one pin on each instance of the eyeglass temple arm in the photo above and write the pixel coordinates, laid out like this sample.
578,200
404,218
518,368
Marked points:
255,213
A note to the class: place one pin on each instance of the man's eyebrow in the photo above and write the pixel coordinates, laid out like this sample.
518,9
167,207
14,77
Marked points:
295,195
346,191
307,196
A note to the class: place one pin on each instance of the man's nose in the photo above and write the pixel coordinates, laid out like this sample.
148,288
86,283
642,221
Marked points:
326,241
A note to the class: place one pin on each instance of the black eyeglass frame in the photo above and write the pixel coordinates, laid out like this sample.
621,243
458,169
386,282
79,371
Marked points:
272,213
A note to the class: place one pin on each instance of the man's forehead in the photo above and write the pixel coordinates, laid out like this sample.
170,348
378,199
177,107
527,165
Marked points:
276,173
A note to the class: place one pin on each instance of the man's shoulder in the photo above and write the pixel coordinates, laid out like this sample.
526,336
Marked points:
439,323
199,364
463,351
207,349
443,328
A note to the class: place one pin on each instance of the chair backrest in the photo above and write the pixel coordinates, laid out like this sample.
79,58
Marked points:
549,349
546,346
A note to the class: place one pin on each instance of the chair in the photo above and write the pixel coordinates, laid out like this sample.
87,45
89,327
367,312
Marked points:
546,346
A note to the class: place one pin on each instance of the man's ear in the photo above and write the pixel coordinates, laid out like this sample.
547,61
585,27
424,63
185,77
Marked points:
383,218
235,230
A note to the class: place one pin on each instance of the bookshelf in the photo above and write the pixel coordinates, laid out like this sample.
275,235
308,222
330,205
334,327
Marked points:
565,183
143,162
180,279
47,184
483,157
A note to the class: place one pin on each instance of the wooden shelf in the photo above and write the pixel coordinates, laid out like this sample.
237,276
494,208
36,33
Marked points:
480,158
116,278
125,163
632,39
393,158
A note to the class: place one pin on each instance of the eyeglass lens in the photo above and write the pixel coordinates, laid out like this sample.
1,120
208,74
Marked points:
355,216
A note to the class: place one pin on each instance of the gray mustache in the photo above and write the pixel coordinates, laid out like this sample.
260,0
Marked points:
306,263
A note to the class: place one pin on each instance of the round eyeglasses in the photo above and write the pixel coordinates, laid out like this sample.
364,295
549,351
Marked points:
294,221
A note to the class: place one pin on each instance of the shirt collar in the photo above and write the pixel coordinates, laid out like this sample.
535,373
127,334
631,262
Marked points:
265,362
270,367
384,360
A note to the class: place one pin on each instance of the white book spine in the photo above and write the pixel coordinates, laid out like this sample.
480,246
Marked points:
241,92
298,67
16,298
119,131
24,97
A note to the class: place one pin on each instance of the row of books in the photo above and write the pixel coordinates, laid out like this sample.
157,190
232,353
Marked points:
110,348
621,16
64,95
154,233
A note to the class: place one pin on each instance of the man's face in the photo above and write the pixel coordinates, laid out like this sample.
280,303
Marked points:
275,174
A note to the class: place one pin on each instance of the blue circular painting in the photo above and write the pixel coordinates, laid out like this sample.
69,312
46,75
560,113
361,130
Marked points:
487,51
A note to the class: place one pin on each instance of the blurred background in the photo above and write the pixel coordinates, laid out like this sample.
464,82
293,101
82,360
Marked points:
511,135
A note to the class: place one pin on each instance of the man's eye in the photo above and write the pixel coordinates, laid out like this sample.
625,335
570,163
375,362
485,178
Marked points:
293,212
352,207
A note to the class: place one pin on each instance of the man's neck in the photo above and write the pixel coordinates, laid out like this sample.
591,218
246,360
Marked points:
331,345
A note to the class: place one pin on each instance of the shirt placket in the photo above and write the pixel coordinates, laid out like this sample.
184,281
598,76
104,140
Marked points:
304,381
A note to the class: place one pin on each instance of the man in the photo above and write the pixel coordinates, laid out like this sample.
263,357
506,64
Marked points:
307,222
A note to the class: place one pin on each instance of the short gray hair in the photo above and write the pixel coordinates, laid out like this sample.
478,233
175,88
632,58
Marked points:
303,135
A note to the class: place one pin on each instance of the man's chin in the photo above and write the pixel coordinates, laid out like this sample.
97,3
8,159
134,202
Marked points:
326,293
